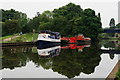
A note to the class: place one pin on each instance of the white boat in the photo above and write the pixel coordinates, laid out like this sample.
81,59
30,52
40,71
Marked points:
52,51
48,37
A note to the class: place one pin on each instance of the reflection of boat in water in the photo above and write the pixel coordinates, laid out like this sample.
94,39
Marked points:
76,46
49,52
47,38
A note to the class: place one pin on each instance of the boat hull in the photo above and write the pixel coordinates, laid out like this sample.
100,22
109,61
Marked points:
78,42
46,44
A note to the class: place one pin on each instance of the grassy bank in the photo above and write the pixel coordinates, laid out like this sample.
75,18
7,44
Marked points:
28,37
9,36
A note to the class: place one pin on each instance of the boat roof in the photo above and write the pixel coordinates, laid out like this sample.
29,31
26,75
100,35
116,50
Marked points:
50,32
56,33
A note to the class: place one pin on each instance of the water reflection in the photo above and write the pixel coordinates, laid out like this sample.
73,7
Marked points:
71,62
68,60
113,47
49,52
80,47
110,44
16,56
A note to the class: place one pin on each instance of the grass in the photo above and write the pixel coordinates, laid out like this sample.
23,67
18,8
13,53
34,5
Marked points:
25,38
9,36
28,37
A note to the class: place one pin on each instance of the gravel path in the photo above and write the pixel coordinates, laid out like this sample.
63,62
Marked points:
9,39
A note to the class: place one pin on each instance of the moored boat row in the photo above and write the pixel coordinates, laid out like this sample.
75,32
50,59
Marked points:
48,37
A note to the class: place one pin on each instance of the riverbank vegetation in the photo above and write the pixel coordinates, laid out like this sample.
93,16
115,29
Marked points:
28,37
7,36
70,19
12,21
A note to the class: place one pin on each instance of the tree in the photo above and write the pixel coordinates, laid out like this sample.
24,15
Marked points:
32,24
89,12
78,21
11,27
2,26
69,11
18,19
69,20
46,21
112,22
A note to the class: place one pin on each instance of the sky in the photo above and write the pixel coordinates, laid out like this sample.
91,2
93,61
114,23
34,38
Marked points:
107,8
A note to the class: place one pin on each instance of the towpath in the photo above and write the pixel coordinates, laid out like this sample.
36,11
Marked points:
9,39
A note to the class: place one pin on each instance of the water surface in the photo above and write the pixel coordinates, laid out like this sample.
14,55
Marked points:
62,61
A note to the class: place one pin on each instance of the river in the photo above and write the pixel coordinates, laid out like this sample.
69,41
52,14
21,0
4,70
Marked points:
91,60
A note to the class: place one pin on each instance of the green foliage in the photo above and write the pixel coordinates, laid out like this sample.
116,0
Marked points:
2,24
46,21
13,21
11,27
89,12
69,11
72,20
26,38
12,15
33,24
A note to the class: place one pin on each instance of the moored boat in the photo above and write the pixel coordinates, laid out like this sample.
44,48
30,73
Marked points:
49,38
75,40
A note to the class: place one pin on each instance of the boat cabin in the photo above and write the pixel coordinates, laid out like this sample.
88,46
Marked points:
52,35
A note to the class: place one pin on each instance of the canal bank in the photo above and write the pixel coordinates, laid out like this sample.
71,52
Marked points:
28,37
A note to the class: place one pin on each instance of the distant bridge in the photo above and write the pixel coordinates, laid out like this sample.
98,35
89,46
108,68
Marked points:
115,31
111,31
